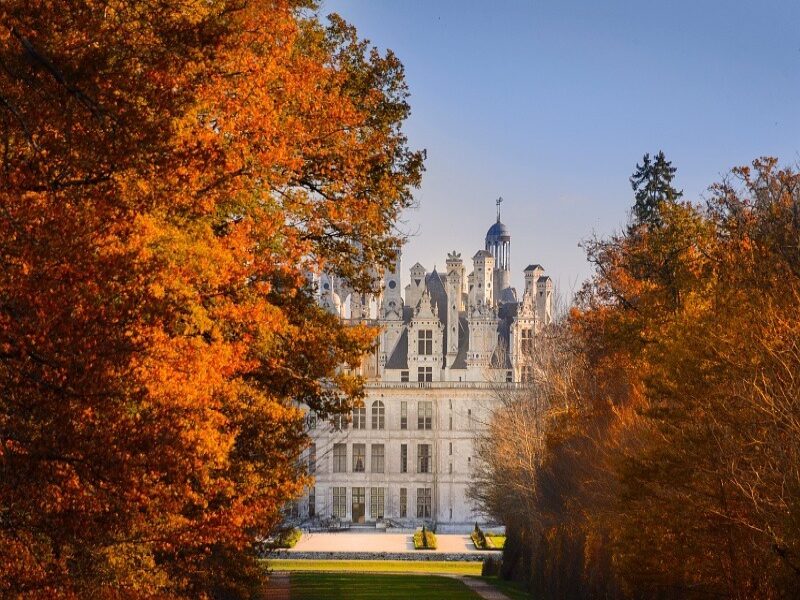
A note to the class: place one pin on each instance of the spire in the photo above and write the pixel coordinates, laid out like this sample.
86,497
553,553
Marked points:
499,201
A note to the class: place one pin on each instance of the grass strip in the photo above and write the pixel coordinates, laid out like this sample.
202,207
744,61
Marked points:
377,566
365,586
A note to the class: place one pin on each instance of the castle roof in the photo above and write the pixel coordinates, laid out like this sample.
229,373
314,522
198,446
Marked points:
508,296
434,283
497,231
460,361
482,254
399,357
533,268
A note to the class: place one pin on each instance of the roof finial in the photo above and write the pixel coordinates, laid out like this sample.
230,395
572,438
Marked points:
498,202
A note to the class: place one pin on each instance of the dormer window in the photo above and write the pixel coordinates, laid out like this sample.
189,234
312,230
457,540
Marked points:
526,342
425,342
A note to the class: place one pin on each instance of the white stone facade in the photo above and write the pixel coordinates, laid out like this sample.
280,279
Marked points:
446,346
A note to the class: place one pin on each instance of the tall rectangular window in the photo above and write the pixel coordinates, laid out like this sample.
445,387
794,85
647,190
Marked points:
404,458
312,458
340,422
424,373
360,417
378,415
403,414
451,448
403,503
340,458
424,414
526,342
359,458
527,374
312,502
340,502
423,458
377,502
404,376
377,458
425,342
311,420
424,503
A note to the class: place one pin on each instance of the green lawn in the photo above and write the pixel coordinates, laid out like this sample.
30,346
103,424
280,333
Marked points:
349,586
372,566
512,589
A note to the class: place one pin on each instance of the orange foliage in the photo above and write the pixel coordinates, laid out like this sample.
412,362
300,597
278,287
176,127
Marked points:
673,470
169,174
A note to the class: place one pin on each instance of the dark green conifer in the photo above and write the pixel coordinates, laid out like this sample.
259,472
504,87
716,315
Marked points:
652,186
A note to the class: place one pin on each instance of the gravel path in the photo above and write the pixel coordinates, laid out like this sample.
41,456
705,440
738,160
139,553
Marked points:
278,587
483,589
379,542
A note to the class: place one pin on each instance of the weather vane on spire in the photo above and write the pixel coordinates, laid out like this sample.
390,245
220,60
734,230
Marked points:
498,202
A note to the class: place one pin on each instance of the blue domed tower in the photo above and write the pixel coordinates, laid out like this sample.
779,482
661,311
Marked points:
498,242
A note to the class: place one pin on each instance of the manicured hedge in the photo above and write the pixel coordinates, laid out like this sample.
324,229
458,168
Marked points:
288,538
478,538
487,542
424,540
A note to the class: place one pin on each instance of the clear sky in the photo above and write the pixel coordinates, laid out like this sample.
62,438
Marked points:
550,104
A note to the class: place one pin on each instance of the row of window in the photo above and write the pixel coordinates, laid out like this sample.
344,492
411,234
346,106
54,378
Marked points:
425,344
377,502
378,413
378,416
423,374
377,458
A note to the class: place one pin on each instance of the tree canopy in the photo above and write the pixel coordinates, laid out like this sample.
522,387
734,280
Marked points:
170,175
668,460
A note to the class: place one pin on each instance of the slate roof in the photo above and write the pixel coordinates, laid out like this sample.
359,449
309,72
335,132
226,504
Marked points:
498,230
533,268
508,295
460,361
435,284
399,356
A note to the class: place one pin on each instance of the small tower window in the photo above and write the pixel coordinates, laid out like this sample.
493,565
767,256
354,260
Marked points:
425,342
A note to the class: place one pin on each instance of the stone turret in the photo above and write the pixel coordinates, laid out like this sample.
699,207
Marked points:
483,265
455,274
544,300
391,299
416,286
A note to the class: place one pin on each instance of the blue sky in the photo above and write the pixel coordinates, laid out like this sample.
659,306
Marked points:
551,104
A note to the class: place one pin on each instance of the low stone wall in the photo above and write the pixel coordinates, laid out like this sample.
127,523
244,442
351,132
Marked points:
417,555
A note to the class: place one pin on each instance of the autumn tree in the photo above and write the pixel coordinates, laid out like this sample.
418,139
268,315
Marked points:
674,472
170,175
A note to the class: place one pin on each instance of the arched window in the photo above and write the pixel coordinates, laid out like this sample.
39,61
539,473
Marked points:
378,415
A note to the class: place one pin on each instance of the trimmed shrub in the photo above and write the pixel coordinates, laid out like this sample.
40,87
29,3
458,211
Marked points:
478,538
424,540
288,538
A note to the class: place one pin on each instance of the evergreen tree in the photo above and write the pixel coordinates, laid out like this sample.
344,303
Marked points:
652,185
